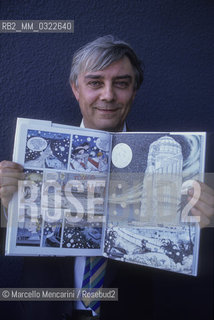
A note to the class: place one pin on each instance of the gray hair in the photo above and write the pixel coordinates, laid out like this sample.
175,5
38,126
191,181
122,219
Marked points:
100,53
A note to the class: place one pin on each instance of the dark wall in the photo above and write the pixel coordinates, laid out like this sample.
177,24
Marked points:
174,39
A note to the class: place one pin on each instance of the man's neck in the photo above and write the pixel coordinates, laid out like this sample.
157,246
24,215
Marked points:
124,126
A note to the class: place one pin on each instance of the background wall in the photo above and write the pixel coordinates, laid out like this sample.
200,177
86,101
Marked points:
174,39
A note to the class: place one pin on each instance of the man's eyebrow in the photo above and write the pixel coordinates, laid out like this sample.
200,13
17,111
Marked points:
99,76
93,76
125,76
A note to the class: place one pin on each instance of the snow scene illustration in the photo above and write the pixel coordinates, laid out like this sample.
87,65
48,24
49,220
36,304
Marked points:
73,192
84,212
46,149
89,154
29,231
30,219
77,201
169,248
52,234
88,237
71,235
146,203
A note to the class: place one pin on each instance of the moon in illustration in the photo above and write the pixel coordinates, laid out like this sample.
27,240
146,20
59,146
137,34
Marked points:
121,155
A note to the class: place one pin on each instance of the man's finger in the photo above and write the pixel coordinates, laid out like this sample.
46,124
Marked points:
205,188
10,164
9,178
206,197
7,191
204,220
205,208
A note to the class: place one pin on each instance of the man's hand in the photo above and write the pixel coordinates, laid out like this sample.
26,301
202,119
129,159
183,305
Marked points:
204,207
10,174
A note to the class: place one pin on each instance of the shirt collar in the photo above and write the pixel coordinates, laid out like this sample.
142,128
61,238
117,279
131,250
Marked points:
124,127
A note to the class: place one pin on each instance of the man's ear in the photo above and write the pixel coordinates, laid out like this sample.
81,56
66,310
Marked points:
133,95
75,90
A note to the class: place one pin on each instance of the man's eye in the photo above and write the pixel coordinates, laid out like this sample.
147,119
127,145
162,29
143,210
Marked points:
122,84
95,84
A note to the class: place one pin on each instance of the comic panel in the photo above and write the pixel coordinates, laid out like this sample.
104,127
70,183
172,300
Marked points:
156,171
89,154
29,207
81,199
29,202
75,192
46,149
82,237
169,248
29,229
52,234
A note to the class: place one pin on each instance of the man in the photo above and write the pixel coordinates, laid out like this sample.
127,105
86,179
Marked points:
105,77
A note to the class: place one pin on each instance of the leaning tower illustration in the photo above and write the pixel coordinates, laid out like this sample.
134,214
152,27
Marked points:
162,182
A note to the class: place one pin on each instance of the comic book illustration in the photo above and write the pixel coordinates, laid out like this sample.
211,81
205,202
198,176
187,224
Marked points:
120,195
89,154
146,204
61,202
47,149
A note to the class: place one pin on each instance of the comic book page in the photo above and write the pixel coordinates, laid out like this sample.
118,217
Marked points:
59,207
123,195
149,219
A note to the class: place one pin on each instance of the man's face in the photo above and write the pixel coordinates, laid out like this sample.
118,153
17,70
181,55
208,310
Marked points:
105,97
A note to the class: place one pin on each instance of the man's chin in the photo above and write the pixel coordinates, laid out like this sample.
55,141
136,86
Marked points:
109,126
105,125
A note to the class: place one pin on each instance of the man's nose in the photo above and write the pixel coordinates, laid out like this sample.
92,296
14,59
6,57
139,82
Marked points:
107,93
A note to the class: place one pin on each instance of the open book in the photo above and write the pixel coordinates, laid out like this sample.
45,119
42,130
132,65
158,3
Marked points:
120,195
